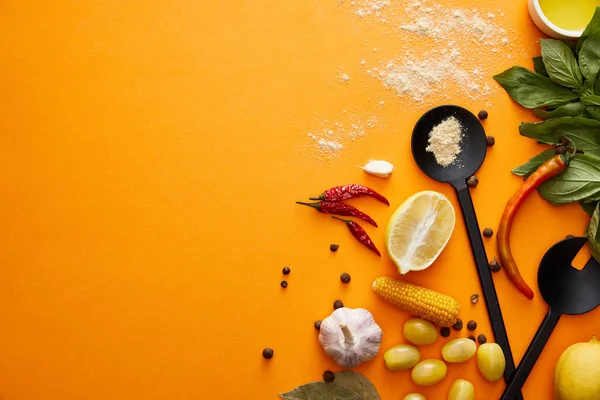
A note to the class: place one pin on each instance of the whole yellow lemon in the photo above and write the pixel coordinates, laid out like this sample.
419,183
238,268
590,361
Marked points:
577,374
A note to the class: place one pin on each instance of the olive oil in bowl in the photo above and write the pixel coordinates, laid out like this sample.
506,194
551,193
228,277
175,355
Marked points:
571,15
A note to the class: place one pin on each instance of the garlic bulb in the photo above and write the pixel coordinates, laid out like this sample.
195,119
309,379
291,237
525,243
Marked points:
350,336
380,168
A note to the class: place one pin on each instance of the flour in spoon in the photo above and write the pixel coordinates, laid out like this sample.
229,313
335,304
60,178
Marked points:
444,141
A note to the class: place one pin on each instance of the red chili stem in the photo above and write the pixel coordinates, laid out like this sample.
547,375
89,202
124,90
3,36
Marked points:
360,234
339,193
551,168
330,207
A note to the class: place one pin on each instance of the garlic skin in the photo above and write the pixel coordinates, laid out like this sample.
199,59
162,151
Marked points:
350,336
379,168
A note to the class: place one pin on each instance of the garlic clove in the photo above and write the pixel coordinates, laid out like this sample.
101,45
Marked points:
379,168
350,336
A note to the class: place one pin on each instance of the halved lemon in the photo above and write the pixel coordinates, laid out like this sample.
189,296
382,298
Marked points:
419,230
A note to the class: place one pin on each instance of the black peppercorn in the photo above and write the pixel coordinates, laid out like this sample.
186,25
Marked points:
286,270
328,376
268,353
495,265
471,325
345,277
458,325
569,237
481,339
318,324
482,114
473,338
337,304
488,232
490,140
334,247
560,150
445,332
472,181
284,284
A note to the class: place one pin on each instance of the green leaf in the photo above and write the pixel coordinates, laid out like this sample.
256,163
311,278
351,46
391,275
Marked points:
586,90
589,205
593,112
568,110
589,57
593,26
538,66
584,132
320,391
591,100
348,385
561,64
534,163
358,383
571,44
533,90
581,180
594,234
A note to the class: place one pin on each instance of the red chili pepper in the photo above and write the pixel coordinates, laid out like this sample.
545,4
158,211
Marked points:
551,168
345,192
359,233
331,207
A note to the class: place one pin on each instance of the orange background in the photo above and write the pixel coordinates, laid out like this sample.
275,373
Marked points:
150,156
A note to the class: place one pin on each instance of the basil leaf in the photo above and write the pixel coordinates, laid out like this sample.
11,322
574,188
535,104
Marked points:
591,100
568,110
581,180
594,234
593,112
589,57
593,26
586,90
589,205
321,391
538,66
358,383
561,64
572,45
534,163
584,132
533,90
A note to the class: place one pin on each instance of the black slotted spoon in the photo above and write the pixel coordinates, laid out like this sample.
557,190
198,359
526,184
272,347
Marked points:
473,149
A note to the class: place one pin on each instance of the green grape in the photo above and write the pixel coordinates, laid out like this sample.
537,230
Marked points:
491,361
419,332
402,357
429,372
459,350
461,390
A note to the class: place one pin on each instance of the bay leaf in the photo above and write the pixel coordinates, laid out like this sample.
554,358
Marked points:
357,383
320,391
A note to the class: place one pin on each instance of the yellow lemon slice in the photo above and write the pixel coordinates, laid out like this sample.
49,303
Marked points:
419,230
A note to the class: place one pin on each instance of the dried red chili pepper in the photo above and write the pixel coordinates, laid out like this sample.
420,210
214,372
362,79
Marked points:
345,192
359,233
332,207
551,168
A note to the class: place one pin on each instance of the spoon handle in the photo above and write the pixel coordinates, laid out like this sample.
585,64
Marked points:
531,355
485,275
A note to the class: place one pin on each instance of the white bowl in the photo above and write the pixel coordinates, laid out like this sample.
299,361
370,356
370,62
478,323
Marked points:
546,26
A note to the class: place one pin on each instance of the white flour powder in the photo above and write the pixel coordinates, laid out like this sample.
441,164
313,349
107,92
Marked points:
329,141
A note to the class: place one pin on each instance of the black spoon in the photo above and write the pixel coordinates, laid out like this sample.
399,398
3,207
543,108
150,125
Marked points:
473,147
566,290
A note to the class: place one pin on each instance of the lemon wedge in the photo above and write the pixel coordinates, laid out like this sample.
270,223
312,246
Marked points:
419,230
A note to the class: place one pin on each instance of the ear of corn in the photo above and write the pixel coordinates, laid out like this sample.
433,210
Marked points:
421,302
